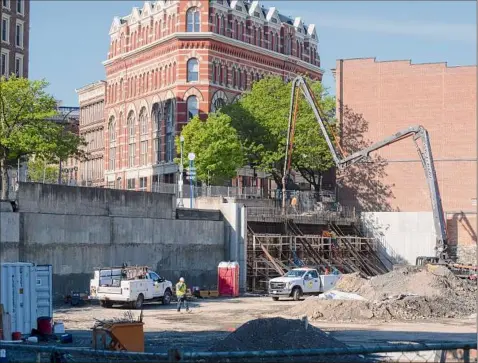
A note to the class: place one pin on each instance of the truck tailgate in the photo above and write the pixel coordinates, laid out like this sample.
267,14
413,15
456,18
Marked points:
109,290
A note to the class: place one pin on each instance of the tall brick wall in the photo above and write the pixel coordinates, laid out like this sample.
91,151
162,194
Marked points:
397,94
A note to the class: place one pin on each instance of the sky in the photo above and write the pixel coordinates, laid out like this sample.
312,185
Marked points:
69,39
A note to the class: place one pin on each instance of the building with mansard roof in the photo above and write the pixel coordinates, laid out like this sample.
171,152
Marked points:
172,60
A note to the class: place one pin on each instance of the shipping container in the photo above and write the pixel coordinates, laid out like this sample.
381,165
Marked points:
26,293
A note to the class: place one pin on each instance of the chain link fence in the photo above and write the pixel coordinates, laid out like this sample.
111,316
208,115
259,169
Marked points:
418,352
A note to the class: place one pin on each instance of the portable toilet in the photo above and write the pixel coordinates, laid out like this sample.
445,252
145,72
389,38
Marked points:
228,279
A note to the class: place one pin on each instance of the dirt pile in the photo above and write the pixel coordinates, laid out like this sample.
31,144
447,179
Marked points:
281,334
406,294
276,334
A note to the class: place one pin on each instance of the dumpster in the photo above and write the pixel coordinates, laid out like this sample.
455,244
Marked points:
127,336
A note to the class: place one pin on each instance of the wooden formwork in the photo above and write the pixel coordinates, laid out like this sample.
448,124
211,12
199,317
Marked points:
271,255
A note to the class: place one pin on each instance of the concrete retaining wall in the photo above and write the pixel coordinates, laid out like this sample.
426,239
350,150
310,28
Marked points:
403,235
406,235
77,229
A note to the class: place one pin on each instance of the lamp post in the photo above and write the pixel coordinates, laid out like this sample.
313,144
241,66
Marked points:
181,170
192,175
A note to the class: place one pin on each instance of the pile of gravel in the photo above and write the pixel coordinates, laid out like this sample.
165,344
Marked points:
281,334
409,293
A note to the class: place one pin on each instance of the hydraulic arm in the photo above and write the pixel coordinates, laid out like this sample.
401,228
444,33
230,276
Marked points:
418,133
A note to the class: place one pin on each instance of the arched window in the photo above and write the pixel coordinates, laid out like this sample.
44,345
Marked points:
143,121
130,125
213,73
193,70
233,81
218,101
112,148
239,80
193,107
193,20
112,129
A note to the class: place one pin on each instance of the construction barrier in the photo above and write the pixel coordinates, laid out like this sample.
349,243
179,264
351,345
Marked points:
433,352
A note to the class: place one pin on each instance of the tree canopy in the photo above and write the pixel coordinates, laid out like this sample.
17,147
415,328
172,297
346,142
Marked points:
261,119
25,129
216,145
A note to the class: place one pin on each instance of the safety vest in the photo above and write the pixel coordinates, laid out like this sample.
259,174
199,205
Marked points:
180,289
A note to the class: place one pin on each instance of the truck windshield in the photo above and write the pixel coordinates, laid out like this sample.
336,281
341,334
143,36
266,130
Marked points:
295,273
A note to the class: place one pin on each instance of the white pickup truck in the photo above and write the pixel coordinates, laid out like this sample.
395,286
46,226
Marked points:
301,281
129,286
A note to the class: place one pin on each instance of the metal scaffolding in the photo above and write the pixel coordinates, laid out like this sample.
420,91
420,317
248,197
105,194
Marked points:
272,255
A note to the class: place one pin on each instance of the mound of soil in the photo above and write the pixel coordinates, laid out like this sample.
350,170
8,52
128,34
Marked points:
281,334
407,294
276,334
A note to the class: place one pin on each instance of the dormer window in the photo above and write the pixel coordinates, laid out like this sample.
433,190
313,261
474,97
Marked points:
256,14
239,8
274,20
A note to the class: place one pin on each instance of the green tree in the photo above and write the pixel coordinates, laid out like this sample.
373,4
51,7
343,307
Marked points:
261,119
39,170
216,145
25,108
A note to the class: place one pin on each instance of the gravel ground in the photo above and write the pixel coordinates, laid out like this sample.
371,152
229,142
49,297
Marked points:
214,319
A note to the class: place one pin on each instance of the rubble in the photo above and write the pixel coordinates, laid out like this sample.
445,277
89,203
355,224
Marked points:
409,293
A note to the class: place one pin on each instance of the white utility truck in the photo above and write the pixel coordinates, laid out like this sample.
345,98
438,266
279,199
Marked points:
129,285
301,281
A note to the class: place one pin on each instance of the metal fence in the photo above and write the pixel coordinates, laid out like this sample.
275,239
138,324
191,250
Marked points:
417,352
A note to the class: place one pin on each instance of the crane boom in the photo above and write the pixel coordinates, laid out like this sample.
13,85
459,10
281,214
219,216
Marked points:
342,161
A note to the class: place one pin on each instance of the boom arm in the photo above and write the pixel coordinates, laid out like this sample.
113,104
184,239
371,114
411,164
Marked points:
417,132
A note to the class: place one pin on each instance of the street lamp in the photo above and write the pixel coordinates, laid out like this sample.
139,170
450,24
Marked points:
192,174
181,169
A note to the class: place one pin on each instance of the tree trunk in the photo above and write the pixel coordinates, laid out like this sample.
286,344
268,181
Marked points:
4,176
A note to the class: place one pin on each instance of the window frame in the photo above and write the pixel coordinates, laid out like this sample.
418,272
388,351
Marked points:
193,20
19,58
6,4
22,7
19,39
196,109
6,54
143,151
6,18
143,187
190,72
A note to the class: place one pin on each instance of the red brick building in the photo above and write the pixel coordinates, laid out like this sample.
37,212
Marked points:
172,60
396,94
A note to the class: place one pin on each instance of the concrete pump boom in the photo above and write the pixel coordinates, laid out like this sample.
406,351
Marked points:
342,161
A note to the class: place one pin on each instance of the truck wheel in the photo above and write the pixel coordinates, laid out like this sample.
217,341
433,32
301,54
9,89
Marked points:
106,304
296,293
275,298
167,297
139,302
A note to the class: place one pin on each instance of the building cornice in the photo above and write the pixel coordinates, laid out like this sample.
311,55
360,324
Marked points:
90,86
220,38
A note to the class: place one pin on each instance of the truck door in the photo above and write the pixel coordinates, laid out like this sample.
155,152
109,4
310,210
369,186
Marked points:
158,287
311,282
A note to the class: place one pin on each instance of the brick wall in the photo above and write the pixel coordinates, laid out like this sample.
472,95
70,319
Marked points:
393,95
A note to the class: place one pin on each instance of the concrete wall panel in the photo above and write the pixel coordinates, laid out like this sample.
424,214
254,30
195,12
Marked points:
403,235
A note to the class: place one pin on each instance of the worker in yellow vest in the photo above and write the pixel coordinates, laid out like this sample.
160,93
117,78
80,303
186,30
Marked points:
181,294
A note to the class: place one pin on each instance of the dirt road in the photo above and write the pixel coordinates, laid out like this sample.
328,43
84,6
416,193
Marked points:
212,319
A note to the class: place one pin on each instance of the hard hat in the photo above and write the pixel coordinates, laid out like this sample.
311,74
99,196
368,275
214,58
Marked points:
181,279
